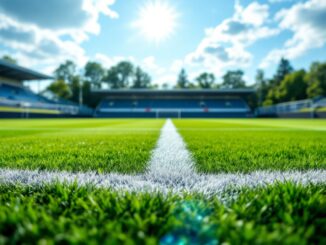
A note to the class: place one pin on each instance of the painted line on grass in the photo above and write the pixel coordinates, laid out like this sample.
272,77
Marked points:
204,184
171,170
170,158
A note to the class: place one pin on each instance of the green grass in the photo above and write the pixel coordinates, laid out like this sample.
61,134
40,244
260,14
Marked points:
78,145
248,145
28,110
67,214
279,214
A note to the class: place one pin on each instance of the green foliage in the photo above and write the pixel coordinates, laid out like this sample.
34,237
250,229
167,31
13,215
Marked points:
78,145
71,86
273,87
206,80
182,81
120,75
317,80
293,87
75,89
83,94
66,214
95,73
249,145
261,86
289,85
284,68
9,59
66,71
233,80
60,88
141,79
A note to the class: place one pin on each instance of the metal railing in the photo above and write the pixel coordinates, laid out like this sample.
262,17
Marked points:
61,108
308,106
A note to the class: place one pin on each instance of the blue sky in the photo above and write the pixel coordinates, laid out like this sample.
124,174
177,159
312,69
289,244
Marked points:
199,35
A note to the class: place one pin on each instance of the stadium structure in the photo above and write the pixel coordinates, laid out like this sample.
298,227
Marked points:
18,101
310,108
179,103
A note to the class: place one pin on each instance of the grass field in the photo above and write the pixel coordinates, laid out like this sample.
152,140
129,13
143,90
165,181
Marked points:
280,213
286,213
249,145
78,145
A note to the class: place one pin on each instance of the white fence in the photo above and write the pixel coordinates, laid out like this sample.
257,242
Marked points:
301,106
62,109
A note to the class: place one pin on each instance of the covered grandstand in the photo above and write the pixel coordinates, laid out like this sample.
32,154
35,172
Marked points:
180,103
18,101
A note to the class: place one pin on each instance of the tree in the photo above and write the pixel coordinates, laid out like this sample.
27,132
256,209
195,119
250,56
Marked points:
316,79
261,86
165,86
206,80
89,98
141,79
95,73
112,78
75,88
120,75
60,88
182,81
284,68
9,59
233,79
66,71
293,87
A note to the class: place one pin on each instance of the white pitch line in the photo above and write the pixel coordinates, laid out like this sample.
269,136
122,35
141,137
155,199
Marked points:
205,184
170,159
171,170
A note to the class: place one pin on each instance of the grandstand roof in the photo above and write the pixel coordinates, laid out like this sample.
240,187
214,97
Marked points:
13,71
174,92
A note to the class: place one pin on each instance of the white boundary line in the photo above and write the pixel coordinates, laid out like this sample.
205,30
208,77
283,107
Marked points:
171,170
204,184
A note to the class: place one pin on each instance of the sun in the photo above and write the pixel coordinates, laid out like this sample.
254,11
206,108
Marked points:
157,21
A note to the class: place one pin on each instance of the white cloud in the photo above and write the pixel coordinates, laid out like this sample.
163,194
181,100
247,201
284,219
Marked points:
224,46
149,63
48,33
307,22
255,14
108,61
31,44
76,18
177,65
280,1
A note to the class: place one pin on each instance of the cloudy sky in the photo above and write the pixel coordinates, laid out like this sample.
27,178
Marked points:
162,36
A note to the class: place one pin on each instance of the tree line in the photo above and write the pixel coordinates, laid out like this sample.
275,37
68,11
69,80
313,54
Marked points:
287,84
69,84
290,85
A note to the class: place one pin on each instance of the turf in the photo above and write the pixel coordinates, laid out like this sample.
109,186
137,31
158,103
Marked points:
249,145
283,213
78,145
28,110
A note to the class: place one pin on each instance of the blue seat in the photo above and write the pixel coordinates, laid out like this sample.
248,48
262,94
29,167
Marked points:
232,103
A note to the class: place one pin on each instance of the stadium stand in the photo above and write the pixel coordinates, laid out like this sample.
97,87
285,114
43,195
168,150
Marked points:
18,101
311,108
144,103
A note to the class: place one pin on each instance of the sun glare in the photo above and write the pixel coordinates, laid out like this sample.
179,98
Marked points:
157,20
